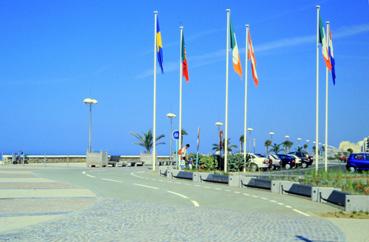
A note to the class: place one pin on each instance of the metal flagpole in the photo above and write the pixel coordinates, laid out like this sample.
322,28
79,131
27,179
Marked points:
326,109
317,93
245,107
154,102
226,96
90,130
180,90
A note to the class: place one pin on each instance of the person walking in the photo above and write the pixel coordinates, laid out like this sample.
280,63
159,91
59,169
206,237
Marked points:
183,153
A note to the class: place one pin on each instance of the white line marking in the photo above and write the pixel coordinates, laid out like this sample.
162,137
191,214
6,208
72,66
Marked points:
196,204
206,187
264,198
228,190
111,180
83,172
288,206
218,189
90,175
254,196
133,174
178,194
237,192
273,201
298,211
246,194
142,185
281,204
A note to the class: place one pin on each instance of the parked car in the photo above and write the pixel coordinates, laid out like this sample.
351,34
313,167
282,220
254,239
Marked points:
306,159
287,161
298,161
258,161
276,162
358,162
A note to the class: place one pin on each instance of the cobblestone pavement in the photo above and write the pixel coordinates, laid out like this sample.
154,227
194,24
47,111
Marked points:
115,220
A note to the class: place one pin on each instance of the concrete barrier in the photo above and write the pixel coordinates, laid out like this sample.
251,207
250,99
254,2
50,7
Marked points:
255,182
196,177
279,185
163,170
357,203
323,194
234,181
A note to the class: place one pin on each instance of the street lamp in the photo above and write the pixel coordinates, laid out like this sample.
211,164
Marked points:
271,133
287,137
90,101
219,125
171,116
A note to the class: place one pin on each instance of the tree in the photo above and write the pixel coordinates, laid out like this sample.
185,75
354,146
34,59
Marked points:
276,148
350,150
267,144
306,146
299,149
146,140
287,145
230,146
242,141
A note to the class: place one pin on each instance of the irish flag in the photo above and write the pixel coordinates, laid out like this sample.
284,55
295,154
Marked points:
235,54
184,60
323,42
251,57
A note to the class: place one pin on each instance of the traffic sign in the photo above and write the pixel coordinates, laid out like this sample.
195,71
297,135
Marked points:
175,134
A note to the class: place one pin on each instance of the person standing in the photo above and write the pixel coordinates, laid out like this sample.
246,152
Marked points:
183,153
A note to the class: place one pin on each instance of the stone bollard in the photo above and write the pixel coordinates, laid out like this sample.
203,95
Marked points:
357,203
234,181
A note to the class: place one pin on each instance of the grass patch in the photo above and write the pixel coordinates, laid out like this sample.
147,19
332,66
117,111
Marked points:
343,214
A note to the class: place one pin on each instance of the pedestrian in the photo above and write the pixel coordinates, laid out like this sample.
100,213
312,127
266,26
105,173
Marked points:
183,153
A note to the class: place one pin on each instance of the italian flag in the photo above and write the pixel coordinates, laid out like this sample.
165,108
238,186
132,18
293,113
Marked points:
323,42
235,54
184,60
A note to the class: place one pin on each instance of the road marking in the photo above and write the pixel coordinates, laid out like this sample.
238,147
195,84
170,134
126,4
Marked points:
263,198
111,180
246,194
90,175
273,201
196,204
218,189
281,204
227,190
300,212
288,206
206,187
83,172
237,192
254,196
178,194
142,185
133,174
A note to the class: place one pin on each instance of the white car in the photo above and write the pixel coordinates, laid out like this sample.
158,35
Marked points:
276,162
258,161
297,160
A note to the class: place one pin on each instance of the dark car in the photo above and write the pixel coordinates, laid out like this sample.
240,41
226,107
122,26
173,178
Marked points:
358,162
287,161
306,159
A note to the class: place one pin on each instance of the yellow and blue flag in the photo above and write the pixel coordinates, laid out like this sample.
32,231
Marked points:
159,46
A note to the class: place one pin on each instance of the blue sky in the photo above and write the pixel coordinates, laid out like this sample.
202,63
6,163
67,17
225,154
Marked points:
55,53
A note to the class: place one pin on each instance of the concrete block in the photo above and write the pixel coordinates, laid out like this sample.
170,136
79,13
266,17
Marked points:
357,203
234,181
163,170
203,176
245,180
196,177
320,194
278,186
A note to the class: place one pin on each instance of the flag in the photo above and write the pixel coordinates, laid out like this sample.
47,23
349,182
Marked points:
331,57
323,42
236,60
184,60
251,57
198,139
159,46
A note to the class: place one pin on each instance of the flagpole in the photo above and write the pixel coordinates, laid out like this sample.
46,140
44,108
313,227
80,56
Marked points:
326,109
180,91
317,93
245,104
154,101
226,96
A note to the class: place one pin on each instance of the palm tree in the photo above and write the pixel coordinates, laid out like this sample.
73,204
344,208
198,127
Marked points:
183,133
230,146
267,143
276,148
146,140
299,149
306,146
287,145
242,140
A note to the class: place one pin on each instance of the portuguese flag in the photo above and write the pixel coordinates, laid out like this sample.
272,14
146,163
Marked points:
184,61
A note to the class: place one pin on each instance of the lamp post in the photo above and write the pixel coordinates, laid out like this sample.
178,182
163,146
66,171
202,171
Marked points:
171,116
249,130
90,101
219,125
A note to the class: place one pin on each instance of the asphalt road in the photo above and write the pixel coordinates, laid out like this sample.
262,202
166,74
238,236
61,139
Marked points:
136,204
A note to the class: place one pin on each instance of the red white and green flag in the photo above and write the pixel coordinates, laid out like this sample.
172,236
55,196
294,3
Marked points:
184,60
323,42
236,60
